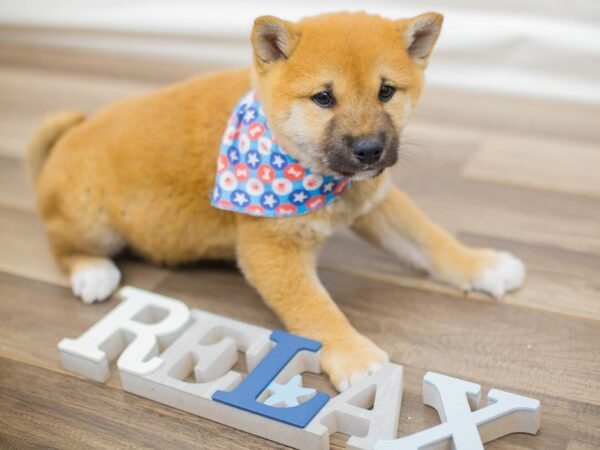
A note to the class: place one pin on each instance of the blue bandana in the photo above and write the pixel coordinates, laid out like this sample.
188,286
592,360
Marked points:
256,176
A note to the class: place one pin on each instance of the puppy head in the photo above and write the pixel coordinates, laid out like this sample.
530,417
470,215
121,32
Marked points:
338,89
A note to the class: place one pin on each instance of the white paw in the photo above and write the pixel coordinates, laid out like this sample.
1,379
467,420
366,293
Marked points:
357,377
95,282
350,359
505,275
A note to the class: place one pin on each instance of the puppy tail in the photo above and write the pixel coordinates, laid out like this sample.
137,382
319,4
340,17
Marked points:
45,137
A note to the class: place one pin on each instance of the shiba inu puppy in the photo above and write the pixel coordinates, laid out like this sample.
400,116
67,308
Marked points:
333,93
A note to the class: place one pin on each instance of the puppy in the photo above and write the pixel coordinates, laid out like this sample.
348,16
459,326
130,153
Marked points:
151,173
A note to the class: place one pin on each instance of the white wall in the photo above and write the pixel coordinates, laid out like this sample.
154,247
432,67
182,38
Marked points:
545,48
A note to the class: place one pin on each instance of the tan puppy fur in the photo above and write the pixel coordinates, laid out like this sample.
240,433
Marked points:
139,174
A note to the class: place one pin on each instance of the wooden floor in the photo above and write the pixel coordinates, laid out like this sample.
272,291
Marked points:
521,175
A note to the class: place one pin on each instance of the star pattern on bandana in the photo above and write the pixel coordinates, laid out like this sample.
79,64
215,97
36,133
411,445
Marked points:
269,200
256,176
328,187
240,198
299,196
278,161
253,159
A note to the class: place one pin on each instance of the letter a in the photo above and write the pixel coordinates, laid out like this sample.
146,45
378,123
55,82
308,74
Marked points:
349,412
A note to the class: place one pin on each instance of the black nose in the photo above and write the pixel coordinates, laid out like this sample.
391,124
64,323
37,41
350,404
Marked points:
367,150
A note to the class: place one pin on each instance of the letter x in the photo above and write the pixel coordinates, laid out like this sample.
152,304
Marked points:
462,428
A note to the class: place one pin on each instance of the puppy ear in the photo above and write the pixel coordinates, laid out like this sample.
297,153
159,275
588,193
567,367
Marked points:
273,39
420,34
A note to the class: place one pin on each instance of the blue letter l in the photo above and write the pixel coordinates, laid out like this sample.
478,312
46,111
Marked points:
245,394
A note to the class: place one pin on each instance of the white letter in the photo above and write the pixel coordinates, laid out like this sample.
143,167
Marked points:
462,428
134,325
348,413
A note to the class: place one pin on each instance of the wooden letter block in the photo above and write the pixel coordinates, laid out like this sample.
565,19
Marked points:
366,412
135,327
245,396
462,428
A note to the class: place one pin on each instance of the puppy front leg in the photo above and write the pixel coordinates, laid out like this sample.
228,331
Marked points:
282,267
399,227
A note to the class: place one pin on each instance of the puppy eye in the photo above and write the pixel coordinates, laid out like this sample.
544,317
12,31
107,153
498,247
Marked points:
386,92
323,99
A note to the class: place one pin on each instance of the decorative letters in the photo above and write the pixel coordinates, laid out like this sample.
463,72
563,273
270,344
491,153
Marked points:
186,359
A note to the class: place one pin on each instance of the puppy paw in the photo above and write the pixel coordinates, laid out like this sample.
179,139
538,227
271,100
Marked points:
484,270
95,281
479,269
349,359
502,274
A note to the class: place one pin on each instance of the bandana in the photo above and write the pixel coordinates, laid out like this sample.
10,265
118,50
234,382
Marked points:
256,176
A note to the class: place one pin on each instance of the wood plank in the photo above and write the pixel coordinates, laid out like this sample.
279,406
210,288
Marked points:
15,189
94,62
563,166
25,252
493,216
48,409
559,281
36,315
530,216
578,445
29,95
492,113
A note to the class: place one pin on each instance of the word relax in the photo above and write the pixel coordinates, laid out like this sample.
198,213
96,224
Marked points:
184,358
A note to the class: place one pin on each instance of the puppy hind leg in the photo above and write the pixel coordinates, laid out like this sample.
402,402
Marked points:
85,256
93,278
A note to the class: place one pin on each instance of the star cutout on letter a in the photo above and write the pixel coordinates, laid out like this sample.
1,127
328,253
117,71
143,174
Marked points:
289,394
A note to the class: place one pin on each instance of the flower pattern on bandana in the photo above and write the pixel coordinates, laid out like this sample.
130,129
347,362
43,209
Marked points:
256,176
